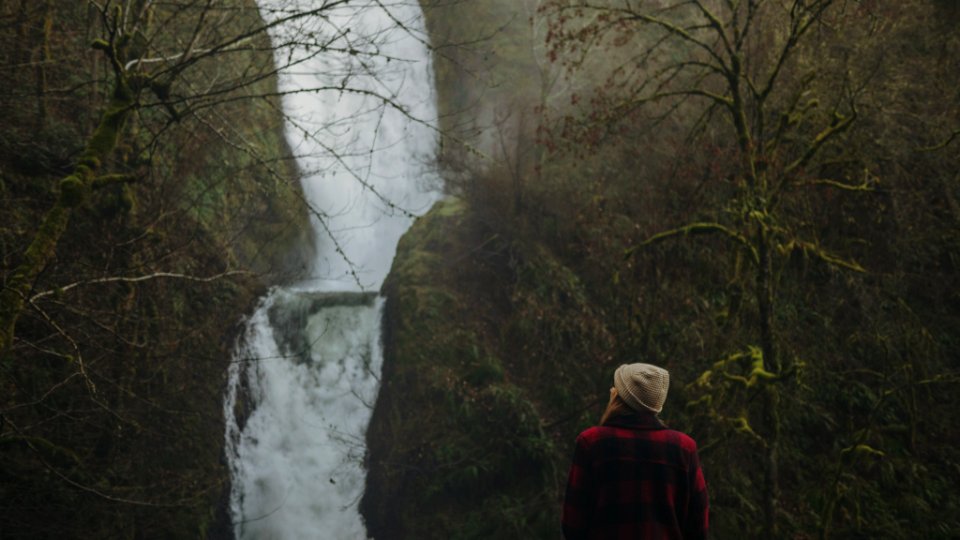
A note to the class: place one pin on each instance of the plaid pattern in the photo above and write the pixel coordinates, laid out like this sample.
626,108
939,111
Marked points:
634,478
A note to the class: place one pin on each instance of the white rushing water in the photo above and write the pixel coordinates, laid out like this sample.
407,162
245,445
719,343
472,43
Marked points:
305,375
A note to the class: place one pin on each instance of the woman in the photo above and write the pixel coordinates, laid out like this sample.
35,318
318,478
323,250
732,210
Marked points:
631,476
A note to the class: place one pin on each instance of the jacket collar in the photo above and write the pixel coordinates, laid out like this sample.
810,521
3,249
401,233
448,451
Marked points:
639,420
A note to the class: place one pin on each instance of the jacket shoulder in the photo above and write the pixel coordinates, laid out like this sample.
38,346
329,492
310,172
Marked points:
667,436
682,440
590,434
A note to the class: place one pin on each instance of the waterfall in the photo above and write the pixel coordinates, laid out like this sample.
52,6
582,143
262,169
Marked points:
305,374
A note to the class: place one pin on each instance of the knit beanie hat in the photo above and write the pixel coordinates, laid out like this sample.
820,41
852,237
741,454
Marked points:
642,386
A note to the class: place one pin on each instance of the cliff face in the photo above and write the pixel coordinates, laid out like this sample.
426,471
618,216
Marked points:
418,325
444,403
110,413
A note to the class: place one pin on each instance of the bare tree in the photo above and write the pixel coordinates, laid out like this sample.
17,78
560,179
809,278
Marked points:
740,63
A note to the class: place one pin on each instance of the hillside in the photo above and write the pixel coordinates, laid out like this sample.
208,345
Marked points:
801,290
111,410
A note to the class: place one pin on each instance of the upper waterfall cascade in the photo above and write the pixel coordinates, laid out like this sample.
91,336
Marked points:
306,373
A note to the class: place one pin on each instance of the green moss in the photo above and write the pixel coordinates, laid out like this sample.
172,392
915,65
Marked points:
107,133
72,191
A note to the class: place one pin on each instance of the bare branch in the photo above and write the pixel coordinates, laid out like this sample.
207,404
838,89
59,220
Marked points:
137,279
865,185
78,357
839,125
628,14
717,26
953,136
683,34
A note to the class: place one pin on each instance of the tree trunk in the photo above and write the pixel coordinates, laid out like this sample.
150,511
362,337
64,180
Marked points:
41,59
771,392
73,190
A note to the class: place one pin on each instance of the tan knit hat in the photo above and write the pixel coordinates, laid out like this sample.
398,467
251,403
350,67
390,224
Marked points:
642,386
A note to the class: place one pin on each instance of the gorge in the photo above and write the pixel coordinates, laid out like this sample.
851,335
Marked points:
761,197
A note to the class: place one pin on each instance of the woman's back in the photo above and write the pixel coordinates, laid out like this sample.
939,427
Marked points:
631,476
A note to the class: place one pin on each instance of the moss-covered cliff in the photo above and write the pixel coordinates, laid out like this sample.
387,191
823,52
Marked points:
111,403
461,444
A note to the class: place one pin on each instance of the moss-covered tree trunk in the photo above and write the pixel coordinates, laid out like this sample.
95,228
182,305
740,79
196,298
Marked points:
73,189
758,194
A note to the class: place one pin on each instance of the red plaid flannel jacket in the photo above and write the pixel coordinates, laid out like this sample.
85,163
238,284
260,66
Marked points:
634,478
